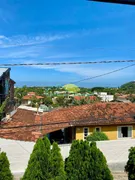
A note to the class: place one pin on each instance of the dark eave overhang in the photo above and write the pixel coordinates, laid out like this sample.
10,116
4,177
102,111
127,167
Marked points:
128,2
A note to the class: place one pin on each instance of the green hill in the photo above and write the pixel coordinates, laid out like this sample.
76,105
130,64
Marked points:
130,87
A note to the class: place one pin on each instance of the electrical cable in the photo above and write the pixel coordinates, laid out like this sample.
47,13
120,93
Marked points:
65,63
89,78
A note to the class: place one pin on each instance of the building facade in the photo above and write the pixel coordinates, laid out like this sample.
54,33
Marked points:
6,90
113,132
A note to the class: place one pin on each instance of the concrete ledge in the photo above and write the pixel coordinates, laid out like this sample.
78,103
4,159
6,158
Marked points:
116,175
120,176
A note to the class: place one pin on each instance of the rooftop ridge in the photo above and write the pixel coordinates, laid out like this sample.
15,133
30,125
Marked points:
29,108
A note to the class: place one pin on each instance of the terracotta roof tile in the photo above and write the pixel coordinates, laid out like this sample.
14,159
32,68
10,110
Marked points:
27,97
92,114
78,98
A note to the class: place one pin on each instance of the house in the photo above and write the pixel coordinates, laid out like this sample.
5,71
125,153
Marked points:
27,99
116,120
104,96
90,98
6,85
6,90
123,98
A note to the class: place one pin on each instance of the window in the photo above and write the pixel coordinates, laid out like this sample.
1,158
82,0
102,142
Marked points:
85,132
98,129
124,131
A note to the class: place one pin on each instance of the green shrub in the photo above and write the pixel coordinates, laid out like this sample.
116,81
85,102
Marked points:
86,162
44,163
5,173
39,165
57,169
130,166
98,168
97,136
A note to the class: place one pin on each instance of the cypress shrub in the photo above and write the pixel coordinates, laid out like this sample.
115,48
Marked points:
75,163
97,136
57,169
86,162
98,168
130,166
39,163
5,173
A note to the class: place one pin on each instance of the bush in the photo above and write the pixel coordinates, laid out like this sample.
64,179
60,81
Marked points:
74,164
57,170
98,168
5,173
86,162
130,166
44,163
97,136
39,164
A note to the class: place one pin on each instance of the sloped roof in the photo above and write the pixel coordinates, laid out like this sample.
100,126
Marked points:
84,115
78,98
3,70
27,97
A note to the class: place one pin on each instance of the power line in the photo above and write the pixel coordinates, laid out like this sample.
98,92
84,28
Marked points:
89,78
66,63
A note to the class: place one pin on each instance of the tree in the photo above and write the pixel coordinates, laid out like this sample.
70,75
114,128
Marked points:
35,102
97,136
20,92
60,100
39,164
2,107
48,101
57,169
130,166
86,162
71,88
5,173
75,163
98,168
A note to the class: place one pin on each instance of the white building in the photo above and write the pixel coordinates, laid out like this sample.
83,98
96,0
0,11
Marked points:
104,96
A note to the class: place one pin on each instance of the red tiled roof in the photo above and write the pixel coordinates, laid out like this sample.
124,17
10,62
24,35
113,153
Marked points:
28,97
78,98
90,114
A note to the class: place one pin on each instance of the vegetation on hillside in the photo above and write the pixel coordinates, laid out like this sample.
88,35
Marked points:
129,87
63,94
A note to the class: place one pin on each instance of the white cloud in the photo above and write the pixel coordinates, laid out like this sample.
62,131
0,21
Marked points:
87,71
23,40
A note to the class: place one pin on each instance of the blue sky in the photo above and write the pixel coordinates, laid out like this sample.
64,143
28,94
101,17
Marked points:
64,31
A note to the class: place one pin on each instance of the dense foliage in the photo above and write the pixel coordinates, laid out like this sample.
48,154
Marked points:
5,173
97,136
44,163
130,166
129,87
57,169
39,164
64,94
86,162
2,107
71,88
